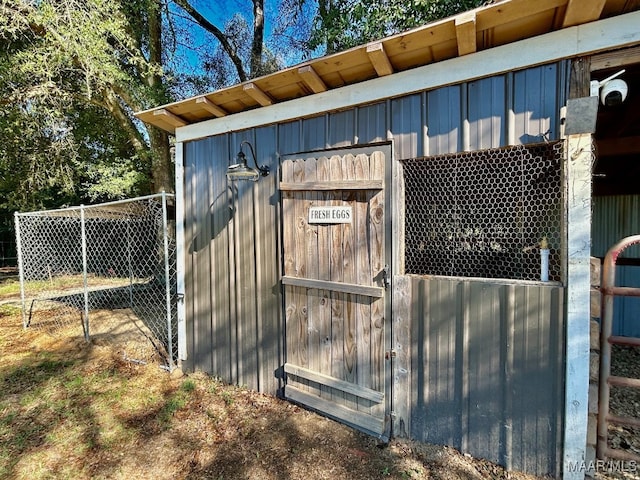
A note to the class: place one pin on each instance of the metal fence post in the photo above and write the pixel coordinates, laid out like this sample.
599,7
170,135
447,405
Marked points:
20,270
167,277
83,235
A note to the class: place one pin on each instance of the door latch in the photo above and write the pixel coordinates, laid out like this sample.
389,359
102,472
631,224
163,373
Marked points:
386,277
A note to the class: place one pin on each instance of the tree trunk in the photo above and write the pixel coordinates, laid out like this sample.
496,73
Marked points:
161,165
258,37
161,171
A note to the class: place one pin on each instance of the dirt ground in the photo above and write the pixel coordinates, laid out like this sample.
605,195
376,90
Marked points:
71,409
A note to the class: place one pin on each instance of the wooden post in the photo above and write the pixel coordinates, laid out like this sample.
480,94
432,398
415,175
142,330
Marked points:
578,194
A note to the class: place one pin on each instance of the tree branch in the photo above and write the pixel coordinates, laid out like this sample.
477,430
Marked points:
216,32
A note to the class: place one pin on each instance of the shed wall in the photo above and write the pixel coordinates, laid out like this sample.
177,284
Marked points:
487,369
614,218
233,292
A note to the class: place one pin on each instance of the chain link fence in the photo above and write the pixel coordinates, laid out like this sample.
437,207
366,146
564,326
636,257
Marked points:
105,271
485,214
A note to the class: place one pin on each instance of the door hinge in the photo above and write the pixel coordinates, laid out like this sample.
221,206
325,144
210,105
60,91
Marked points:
390,354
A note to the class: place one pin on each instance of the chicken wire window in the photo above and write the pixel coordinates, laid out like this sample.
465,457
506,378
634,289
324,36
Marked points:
485,214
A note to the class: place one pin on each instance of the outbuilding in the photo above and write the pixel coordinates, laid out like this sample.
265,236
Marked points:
398,235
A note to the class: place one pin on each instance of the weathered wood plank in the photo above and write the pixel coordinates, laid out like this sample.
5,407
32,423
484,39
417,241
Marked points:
402,344
363,276
300,255
331,185
338,384
349,272
358,420
288,241
312,264
377,254
324,272
342,287
337,276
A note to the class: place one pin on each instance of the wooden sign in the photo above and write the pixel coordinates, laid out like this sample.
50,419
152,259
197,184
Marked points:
330,214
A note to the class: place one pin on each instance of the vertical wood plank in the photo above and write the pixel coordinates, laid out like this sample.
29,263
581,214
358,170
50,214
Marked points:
349,272
377,253
324,273
336,274
312,265
288,242
300,254
363,277
402,363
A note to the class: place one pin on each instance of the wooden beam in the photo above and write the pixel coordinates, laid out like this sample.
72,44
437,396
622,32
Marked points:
360,420
612,147
617,58
335,383
258,95
466,33
580,77
311,79
582,11
379,59
332,185
370,291
211,107
170,118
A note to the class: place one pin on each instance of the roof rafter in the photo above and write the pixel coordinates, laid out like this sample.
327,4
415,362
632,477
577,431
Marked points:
170,118
379,59
257,94
466,33
211,107
311,79
582,11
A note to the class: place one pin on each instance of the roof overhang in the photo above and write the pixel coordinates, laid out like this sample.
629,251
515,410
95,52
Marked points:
392,61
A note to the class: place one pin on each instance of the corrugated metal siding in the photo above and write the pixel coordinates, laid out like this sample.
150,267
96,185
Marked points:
232,280
234,308
487,370
615,218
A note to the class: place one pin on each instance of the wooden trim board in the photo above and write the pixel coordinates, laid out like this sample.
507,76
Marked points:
358,420
376,292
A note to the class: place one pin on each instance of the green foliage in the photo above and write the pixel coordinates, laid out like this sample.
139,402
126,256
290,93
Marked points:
343,24
72,74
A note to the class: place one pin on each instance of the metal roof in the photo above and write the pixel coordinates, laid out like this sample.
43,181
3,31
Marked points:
483,28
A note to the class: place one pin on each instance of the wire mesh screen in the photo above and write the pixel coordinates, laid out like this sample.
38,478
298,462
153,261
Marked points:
485,214
106,271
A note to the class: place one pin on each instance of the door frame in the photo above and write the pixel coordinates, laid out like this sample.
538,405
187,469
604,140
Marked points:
390,254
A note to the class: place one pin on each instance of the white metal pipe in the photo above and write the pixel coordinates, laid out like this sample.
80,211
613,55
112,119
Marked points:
20,270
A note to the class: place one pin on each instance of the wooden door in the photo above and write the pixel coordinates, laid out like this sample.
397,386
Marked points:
334,285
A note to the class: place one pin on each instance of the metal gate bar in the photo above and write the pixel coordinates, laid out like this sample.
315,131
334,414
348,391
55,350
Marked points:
606,381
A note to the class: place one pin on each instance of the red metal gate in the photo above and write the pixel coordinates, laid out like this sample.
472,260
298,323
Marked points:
609,291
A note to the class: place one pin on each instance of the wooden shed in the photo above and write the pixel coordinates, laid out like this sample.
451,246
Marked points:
391,269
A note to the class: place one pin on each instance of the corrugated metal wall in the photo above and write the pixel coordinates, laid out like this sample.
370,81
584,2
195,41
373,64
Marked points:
234,305
615,218
487,369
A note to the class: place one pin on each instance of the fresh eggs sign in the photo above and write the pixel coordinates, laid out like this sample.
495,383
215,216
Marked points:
333,214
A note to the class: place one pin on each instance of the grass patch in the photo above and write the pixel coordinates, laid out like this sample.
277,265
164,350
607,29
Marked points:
176,402
74,410
9,287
